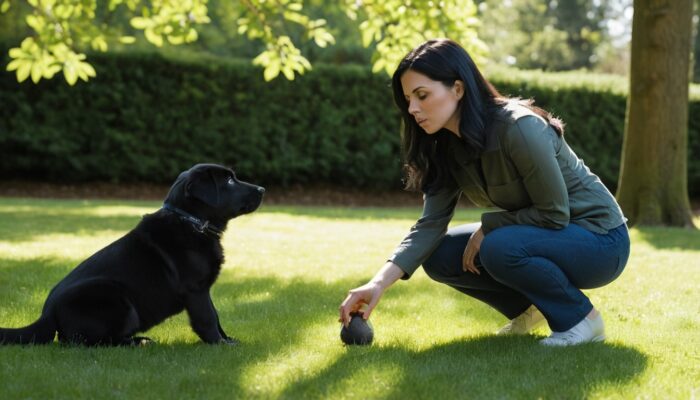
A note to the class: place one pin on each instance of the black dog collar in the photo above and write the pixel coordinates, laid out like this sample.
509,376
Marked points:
199,225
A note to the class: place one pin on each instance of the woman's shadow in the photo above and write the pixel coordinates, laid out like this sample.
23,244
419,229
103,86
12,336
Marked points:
487,367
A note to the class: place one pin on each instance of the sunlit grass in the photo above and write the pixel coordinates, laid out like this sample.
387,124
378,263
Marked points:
286,271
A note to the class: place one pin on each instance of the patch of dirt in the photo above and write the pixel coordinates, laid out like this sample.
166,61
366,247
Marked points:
294,195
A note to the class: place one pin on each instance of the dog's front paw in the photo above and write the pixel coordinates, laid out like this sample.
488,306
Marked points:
138,341
229,341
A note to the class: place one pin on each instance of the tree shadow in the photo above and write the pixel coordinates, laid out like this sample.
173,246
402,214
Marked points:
25,225
345,213
25,283
409,213
481,367
257,311
254,310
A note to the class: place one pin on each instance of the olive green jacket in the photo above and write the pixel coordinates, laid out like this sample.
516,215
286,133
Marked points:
528,171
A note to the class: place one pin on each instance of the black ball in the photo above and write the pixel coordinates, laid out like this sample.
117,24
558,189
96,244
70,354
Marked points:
358,331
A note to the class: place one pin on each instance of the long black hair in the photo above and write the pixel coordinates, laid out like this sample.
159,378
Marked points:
445,61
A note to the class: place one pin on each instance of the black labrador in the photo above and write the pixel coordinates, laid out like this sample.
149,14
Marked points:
166,264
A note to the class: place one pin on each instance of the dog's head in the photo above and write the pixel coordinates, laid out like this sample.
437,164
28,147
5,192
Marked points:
212,192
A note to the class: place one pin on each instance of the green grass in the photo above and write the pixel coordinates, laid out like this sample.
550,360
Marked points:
287,270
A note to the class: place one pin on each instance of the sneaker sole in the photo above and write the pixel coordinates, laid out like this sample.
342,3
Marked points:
599,338
595,339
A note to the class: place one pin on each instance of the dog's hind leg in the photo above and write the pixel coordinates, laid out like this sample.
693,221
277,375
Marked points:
96,312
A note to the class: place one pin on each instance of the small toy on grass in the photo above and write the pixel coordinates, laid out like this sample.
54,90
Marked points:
359,331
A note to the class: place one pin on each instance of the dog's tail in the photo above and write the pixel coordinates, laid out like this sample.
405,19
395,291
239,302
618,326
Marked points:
40,332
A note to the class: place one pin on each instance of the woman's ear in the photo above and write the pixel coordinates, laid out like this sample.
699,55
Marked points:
458,89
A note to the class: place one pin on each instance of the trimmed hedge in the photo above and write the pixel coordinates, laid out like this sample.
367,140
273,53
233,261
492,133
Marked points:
145,118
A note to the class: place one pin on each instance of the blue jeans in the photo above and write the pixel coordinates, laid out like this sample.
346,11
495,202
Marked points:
522,265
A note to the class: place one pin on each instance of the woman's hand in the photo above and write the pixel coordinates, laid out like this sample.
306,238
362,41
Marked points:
470,252
369,294
365,295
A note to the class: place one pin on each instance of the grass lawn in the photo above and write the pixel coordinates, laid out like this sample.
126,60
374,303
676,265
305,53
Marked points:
287,270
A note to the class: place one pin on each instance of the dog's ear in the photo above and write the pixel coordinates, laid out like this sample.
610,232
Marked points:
202,186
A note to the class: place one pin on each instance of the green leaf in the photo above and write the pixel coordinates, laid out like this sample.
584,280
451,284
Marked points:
89,69
23,71
288,72
271,71
4,6
15,64
153,37
99,43
37,72
70,73
35,22
191,36
51,70
176,39
16,52
141,23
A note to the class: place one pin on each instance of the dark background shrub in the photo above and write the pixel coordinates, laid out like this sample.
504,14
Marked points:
144,118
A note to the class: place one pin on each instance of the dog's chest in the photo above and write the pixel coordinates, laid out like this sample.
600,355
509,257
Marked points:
198,270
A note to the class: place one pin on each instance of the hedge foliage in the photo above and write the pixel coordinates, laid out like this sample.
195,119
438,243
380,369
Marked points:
145,118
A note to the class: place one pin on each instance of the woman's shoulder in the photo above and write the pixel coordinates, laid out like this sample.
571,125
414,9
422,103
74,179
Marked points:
511,110
514,115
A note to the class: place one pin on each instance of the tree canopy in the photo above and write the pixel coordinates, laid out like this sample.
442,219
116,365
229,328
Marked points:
62,32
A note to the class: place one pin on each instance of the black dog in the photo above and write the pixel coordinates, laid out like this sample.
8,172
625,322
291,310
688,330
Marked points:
167,263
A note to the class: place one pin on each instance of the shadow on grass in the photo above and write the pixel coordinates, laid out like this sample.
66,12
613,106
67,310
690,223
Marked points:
671,238
345,213
24,284
25,219
18,226
268,315
273,318
482,367
411,214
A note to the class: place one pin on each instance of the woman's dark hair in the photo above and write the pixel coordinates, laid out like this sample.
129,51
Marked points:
446,61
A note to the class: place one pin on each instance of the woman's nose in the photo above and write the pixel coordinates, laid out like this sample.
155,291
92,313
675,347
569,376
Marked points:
412,108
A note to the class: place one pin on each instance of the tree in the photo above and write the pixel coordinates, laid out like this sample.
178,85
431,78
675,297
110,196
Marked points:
550,35
696,40
63,30
653,184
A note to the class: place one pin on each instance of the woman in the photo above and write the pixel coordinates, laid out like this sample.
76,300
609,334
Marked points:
560,230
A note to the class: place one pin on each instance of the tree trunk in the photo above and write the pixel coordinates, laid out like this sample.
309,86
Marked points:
695,66
653,184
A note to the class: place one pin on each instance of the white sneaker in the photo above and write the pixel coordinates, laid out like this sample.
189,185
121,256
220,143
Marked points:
523,323
588,330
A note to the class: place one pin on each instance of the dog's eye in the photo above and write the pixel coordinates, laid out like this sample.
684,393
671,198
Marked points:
231,181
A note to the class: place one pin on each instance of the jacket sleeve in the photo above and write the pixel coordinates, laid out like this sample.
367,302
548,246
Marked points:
425,235
532,145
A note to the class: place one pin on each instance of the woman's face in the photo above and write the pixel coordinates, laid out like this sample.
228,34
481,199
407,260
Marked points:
431,103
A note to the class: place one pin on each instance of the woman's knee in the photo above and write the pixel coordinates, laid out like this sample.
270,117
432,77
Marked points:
442,264
434,266
446,259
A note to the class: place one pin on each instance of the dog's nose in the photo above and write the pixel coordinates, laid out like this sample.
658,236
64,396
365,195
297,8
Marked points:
261,189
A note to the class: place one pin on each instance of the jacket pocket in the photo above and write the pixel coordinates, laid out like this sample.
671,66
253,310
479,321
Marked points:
510,196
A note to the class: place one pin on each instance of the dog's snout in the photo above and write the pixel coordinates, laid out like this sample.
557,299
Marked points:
261,189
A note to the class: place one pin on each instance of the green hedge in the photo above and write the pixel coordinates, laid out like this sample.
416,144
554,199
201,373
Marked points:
144,118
